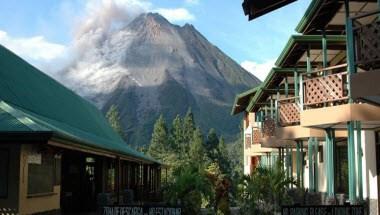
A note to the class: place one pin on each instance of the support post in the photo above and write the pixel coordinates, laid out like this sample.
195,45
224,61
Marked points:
286,87
351,68
271,108
291,164
277,107
287,162
301,92
324,51
302,166
315,155
296,93
359,155
310,156
308,60
351,162
330,162
298,163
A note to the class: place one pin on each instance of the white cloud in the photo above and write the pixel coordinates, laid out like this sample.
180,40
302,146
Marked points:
89,25
175,14
33,48
260,70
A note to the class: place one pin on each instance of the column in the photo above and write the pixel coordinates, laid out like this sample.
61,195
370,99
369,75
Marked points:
330,163
359,155
351,68
351,162
298,162
316,181
310,156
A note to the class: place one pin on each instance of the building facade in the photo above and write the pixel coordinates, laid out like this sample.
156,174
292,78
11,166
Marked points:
319,107
58,153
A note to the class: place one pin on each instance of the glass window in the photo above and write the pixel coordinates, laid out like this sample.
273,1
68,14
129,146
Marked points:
41,173
4,167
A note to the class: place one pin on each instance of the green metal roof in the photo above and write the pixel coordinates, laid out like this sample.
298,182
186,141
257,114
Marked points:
242,99
274,78
32,101
314,5
303,41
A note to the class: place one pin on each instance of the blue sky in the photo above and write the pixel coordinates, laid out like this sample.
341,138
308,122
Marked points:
41,31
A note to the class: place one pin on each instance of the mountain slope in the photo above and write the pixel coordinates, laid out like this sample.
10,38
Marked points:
152,66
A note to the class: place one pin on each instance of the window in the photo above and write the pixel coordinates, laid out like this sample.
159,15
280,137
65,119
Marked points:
41,173
4,167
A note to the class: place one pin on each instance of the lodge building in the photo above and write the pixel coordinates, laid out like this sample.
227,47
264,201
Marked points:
318,110
58,153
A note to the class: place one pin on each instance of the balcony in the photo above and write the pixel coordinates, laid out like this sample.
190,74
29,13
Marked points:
325,87
289,111
367,40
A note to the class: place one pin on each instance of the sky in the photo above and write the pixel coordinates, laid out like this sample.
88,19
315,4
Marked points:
43,31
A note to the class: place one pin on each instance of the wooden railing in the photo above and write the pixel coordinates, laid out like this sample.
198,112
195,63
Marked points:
248,141
256,136
269,126
288,111
326,86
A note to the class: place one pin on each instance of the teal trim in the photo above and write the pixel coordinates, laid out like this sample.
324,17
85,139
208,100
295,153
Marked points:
351,162
359,157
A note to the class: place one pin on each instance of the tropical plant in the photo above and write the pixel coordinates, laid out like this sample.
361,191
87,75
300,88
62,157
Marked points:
265,190
188,187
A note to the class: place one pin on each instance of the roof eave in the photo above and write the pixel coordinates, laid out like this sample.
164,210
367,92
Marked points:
300,28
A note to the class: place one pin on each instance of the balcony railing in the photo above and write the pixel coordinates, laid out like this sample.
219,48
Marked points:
256,136
325,87
269,126
367,40
248,140
289,111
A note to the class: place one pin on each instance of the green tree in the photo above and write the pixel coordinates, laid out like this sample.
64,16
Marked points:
114,119
188,125
176,134
223,157
159,143
211,145
197,150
